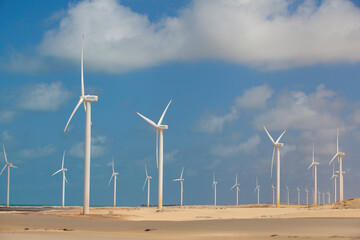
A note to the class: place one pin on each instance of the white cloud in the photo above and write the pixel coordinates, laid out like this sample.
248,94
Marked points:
301,111
171,156
255,97
5,136
263,34
43,97
7,116
38,152
97,148
246,147
211,123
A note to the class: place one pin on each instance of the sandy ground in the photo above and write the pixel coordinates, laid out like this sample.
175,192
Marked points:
341,220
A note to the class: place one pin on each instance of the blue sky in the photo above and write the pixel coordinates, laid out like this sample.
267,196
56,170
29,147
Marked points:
230,66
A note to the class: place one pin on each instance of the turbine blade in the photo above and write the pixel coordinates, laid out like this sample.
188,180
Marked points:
82,69
148,120
65,179
175,180
311,165
110,179
112,164
62,165
146,179
333,159
3,169
5,153
313,156
232,187
13,166
271,139
72,114
162,116
157,148
277,141
56,172
272,162
182,173
255,190
337,141
146,171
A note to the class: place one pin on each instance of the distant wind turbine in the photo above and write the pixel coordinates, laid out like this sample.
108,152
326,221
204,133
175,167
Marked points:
334,177
323,194
277,146
339,155
319,195
314,165
258,191
237,189
63,170
288,194
147,179
86,100
114,174
273,192
307,196
214,186
159,151
181,184
8,165
298,190
329,200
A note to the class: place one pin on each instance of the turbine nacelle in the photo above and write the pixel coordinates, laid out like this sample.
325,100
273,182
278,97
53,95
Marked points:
162,127
90,98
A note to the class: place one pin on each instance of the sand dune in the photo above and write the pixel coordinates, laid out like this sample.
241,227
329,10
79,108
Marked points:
340,220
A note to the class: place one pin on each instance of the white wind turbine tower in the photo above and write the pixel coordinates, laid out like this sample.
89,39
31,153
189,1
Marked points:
159,151
237,189
314,164
329,200
214,186
273,192
258,191
288,194
339,155
181,184
298,190
277,146
86,100
307,196
63,170
319,195
114,174
147,179
323,194
8,165
334,177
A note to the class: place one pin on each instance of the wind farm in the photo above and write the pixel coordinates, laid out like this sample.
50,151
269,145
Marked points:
224,80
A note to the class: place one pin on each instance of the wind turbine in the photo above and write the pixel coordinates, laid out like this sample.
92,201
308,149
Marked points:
147,179
237,190
273,192
334,177
288,194
307,196
298,190
328,194
159,151
86,100
319,195
8,165
339,155
277,146
314,164
258,191
323,194
214,186
63,170
114,174
181,184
